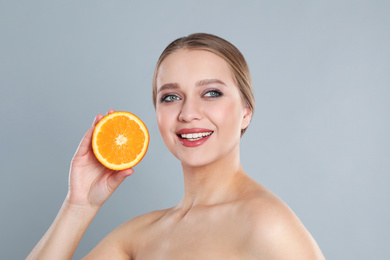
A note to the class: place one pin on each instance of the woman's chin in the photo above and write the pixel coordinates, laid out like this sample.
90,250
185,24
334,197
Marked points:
195,162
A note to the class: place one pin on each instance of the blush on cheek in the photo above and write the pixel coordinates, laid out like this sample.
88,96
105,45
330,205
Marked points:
166,122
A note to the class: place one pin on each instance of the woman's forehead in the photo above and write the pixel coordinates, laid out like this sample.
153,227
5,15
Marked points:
193,65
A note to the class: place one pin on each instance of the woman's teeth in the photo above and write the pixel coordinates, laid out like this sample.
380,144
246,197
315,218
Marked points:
195,136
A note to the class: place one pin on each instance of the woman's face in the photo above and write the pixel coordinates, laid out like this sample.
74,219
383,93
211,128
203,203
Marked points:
199,109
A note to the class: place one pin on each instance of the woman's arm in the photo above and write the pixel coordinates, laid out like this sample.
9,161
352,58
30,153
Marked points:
64,235
90,185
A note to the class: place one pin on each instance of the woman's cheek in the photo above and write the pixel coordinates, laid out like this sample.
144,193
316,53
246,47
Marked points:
165,120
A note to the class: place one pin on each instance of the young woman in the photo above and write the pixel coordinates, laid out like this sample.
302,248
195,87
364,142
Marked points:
204,102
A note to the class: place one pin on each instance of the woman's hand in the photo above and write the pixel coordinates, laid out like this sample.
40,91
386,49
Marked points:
91,183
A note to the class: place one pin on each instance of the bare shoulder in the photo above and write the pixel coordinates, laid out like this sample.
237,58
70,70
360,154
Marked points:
121,243
276,232
143,221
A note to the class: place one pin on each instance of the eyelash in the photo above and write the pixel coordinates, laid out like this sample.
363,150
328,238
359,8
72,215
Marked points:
164,98
216,91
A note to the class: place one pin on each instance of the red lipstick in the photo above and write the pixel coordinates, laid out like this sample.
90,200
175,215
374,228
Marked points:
193,137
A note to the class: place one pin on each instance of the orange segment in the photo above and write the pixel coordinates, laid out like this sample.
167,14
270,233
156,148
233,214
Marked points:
120,140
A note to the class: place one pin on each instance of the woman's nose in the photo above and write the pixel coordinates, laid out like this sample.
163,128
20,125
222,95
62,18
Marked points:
190,110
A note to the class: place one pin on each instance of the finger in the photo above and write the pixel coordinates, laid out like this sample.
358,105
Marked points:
118,177
85,144
110,111
126,172
97,119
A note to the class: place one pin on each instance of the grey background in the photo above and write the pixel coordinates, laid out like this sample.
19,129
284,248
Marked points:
319,138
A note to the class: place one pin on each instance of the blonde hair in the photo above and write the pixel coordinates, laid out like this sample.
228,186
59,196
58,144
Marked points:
220,47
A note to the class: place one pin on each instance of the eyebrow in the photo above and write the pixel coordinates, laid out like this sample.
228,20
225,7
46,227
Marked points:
168,86
199,83
209,81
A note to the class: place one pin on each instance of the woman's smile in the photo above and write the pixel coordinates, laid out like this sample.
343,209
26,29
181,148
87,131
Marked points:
193,137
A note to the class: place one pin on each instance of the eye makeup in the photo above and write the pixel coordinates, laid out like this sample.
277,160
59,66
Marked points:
169,97
213,93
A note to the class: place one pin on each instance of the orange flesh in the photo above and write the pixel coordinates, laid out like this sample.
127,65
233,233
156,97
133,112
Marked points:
120,128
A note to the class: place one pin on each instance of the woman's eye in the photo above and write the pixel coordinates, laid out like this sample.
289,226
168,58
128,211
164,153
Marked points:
213,93
169,98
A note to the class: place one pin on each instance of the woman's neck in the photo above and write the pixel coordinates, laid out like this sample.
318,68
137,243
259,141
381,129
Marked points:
214,183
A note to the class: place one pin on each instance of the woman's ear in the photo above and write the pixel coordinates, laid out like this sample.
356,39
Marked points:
247,117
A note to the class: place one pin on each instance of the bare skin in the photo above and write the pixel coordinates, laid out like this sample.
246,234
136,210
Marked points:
257,225
224,214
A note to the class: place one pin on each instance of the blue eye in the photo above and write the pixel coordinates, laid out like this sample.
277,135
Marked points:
169,98
213,93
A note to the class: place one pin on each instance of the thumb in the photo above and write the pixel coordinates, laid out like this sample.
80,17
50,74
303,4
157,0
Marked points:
85,144
118,177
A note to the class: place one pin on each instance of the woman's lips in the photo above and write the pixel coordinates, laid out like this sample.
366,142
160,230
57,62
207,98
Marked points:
192,137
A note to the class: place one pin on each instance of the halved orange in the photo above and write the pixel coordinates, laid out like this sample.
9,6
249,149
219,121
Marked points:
120,140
